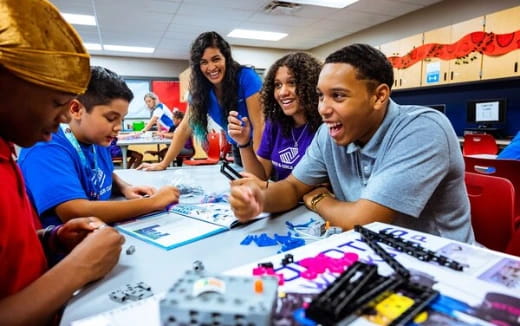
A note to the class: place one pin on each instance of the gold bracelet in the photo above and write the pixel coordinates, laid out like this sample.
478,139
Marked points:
317,198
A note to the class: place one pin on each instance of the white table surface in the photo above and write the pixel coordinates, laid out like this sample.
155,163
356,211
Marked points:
124,143
159,268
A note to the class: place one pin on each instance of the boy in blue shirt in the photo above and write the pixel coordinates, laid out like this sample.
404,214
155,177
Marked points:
72,175
512,151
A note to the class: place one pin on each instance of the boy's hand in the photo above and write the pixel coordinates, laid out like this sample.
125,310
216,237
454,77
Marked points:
164,197
246,200
239,129
135,192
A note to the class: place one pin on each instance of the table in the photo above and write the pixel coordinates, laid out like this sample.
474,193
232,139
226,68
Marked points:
124,143
160,268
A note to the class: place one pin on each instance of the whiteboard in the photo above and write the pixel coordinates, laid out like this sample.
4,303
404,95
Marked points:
137,108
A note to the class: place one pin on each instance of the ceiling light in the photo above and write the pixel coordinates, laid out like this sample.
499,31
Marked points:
92,46
124,48
257,35
325,3
80,19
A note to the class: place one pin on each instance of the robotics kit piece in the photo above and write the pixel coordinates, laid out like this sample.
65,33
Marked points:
199,299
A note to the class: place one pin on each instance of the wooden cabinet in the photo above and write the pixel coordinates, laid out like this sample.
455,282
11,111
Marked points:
465,68
506,65
468,67
391,49
407,77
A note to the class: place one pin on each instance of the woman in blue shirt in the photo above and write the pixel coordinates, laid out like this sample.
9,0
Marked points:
218,85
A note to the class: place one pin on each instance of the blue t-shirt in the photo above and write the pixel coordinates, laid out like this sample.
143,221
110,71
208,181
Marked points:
249,83
54,174
115,151
512,151
284,152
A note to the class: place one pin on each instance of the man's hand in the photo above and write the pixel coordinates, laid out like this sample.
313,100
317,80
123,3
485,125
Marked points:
246,199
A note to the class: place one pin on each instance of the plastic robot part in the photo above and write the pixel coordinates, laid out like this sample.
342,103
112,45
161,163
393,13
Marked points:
198,266
287,259
130,250
409,247
235,303
135,292
360,287
229,172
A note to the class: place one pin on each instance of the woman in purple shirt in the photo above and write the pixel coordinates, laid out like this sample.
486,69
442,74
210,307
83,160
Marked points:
290,105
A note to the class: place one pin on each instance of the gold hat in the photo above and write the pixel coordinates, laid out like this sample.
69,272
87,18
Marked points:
39,46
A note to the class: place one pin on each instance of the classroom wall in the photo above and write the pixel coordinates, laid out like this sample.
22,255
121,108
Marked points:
261,58
442,14
141,67
456,97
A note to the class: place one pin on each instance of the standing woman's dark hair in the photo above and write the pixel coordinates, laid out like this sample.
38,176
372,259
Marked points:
200,86
306,70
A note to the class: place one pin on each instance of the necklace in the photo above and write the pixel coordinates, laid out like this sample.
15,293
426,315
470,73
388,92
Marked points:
299,137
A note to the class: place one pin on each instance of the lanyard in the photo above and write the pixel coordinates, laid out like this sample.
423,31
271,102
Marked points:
94,187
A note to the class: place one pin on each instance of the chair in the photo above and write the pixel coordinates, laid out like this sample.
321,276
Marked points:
513,247
492,202
213,151
226,149
509,169
479,144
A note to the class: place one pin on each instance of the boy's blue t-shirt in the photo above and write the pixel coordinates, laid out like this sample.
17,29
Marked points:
512,151
54,174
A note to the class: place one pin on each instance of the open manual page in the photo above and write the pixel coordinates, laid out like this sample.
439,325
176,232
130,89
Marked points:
182,224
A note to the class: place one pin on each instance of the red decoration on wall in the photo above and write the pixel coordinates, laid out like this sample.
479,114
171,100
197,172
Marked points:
169,93
486,43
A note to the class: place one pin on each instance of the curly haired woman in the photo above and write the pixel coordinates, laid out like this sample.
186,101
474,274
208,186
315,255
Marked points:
290,104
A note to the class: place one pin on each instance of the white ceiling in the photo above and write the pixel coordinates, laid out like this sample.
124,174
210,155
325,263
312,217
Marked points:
170,26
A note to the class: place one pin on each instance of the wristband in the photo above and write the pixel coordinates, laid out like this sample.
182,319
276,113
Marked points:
317,198
249,143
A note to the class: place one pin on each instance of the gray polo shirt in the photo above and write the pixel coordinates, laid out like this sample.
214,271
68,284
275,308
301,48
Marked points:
413,164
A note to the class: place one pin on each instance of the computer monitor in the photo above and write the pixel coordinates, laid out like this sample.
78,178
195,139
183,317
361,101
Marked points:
438,107
487,112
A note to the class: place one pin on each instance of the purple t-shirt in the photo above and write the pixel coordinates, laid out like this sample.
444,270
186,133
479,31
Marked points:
284,152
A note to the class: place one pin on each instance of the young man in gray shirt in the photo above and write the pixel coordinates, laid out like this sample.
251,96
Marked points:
385,162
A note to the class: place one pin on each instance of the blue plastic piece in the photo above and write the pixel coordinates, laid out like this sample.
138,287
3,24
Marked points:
292,243
247,240
283,238
263,240
302,225
301,319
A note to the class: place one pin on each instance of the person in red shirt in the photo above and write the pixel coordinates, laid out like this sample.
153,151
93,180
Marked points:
43,66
